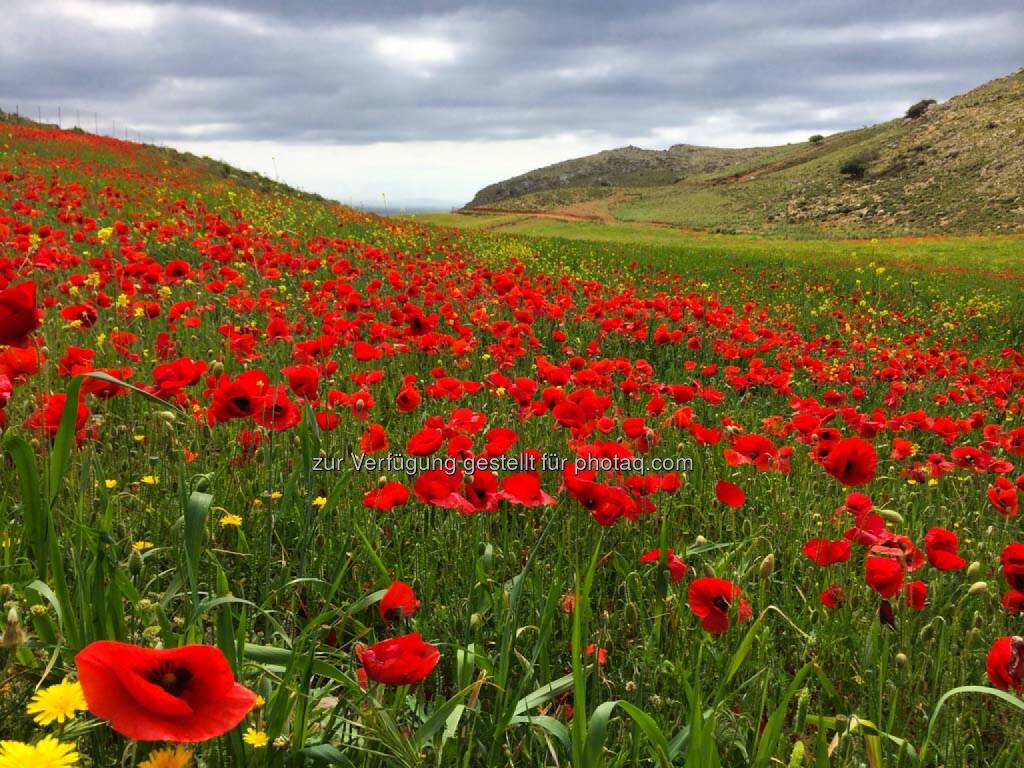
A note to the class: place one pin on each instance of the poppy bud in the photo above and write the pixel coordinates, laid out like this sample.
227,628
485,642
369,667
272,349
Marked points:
767,566
926,633
135,563
978,588
973,569
891,516
203,483
700,541
886,615
5,591
476,620
972,638
901,659
217,368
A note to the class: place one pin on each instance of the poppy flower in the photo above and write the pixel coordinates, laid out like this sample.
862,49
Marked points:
399,602
827,552
710,599
833,596
915,594
388,496
1012,558
46,419
941,546
676,567
185,694
303,380
1005,663
730,494
18,314
1003,497
884,575
524,488
852,461
399,660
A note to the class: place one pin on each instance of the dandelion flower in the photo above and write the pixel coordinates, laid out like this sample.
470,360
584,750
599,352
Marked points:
320,501
110,484
178,757
57,703
46,753
151,479
230,519
255,738
142,546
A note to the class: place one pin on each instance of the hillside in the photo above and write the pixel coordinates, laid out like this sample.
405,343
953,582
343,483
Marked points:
956,168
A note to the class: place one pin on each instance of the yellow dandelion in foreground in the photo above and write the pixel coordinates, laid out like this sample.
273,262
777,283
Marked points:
229,519
258,702
151,479
110,484
57,703
138,438
178,757
275,495
320,501
256,739
142,546
47,753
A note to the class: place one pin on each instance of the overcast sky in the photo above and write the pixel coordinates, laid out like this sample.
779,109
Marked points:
434,100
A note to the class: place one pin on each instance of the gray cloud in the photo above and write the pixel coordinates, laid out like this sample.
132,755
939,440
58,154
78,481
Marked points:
356,73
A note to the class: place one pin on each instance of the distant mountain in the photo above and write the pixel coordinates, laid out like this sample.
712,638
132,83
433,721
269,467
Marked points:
951,167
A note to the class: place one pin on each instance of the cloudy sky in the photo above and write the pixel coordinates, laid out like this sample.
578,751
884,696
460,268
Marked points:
432,100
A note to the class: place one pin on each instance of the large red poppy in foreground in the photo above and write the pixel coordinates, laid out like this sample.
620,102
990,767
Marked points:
184,694
711,600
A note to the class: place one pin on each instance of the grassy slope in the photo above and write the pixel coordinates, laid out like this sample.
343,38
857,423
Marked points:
954,170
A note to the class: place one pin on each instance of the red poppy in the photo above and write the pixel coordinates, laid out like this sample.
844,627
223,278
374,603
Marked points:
18,314
400,660
424,442
884,575
388,496
730,494
852,461
399,602
185,694
374,439
1003,497
941,546
45,420
304,380
827,552
676,567
239,398
710,600
524,488
277,411
1012,558
915,593
833,597
1005,663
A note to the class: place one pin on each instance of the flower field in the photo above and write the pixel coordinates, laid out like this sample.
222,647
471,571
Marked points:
287,484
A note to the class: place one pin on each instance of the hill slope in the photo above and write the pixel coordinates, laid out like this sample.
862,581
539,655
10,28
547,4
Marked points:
956,168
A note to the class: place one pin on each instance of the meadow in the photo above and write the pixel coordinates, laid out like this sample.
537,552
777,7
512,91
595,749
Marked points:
195,572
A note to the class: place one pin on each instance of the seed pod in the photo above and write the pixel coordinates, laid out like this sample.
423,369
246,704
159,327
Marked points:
978,588
891,516
973,570
767,566
13,635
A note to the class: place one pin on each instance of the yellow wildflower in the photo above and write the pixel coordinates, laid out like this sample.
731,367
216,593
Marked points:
57,703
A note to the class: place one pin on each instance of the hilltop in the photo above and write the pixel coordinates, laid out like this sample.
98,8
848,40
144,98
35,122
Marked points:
953,167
